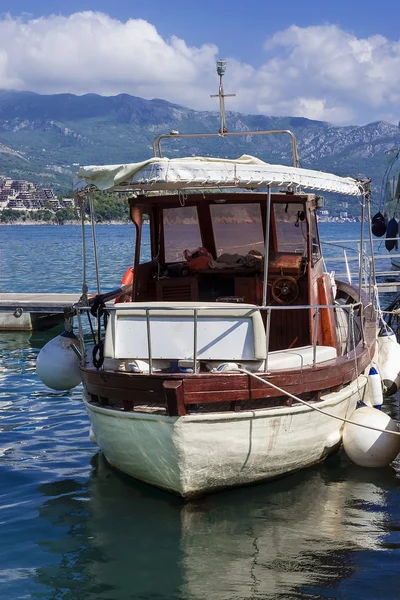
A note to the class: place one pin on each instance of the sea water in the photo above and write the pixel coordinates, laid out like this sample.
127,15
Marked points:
73,528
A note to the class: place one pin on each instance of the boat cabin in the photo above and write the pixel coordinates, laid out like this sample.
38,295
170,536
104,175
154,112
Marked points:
210,247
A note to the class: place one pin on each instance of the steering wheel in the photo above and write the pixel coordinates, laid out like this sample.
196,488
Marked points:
285,290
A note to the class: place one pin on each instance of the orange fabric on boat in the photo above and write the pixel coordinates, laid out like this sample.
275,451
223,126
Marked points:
327,323
199,263
126,280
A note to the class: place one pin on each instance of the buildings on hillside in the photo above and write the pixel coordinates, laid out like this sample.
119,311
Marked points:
17,194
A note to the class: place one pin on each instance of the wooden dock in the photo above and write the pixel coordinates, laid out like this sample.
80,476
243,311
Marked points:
25,312
54,303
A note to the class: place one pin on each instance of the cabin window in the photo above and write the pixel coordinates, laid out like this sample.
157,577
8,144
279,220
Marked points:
181,232
291,228
237,228
315,243
145,243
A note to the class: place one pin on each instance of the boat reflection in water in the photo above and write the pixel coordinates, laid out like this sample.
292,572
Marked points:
300,537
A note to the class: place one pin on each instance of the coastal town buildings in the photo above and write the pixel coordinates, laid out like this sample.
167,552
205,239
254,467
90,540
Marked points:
18,194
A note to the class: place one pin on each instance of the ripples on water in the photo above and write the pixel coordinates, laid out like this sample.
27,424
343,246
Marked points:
72,528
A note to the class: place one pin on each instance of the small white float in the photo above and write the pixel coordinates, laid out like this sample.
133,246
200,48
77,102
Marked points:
375,391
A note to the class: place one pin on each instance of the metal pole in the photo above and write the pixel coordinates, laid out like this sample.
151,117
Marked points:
81,337
361,254
371,243
96,261
267,332
266,249
347,266
316,323
84,282
195,341
149,341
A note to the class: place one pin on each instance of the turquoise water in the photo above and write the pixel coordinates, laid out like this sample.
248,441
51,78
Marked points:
72,528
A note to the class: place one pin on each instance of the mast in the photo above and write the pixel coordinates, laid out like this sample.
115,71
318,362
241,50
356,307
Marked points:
221,68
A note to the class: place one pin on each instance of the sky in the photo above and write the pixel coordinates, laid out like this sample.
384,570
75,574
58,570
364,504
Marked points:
337,61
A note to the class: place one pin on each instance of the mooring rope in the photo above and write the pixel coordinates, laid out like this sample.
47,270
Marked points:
323,412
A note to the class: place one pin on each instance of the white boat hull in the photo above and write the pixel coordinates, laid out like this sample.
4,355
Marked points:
196,454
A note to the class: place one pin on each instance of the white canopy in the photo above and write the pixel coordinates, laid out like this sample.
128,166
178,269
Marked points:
199,172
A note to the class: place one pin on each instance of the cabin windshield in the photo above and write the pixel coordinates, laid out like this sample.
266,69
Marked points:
181,232
291,228
238,228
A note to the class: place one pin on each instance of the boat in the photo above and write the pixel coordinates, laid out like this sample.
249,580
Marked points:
236,357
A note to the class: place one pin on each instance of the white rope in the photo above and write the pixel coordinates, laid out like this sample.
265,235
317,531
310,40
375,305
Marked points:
353,335
323,412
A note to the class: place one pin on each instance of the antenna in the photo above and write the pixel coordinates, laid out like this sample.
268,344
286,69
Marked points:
221,68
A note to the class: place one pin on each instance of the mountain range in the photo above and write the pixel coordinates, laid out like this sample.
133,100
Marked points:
44,138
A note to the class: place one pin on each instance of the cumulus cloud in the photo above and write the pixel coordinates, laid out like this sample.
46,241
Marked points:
320,72
329,71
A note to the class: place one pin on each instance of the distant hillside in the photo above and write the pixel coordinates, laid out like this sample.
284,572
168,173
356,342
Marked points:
48,137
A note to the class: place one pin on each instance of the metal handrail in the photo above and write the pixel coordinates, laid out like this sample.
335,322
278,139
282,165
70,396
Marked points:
156,144
366,263
148,309
232,306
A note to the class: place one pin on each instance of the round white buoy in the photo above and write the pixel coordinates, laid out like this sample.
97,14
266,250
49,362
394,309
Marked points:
57,364
366,447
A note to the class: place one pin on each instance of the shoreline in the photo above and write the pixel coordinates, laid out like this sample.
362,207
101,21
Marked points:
76,223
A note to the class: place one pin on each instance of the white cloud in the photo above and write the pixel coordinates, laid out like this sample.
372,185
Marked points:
319,72
352,77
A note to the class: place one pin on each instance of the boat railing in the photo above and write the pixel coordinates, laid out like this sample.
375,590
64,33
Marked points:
350,260
157,151
352,319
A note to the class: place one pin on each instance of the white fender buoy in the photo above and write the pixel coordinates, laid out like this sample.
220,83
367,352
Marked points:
375,388
366,447
57,364
389,361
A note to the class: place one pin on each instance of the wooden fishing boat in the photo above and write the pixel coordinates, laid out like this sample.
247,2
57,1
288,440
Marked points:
235,356
171,395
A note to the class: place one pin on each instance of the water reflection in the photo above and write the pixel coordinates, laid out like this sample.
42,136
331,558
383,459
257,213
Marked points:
116,539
